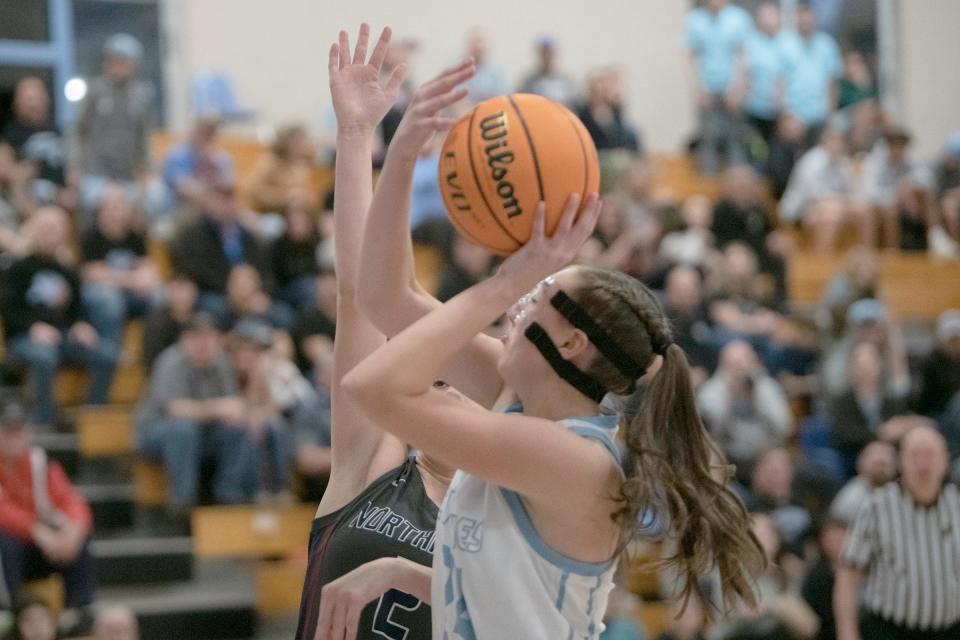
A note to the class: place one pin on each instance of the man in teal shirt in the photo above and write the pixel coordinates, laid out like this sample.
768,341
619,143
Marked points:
715,35
813,67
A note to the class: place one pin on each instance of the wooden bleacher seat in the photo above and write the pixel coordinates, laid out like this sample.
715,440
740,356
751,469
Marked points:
105,431
279,584
427,264
915,287
251,531
50,590
70,387
675,177
149,483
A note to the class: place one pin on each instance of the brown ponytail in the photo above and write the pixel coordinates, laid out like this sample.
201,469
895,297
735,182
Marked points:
673,463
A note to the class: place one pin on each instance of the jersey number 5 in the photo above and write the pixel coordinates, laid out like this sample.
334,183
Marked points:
383,623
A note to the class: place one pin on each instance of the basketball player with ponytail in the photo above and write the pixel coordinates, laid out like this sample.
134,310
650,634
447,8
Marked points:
541,506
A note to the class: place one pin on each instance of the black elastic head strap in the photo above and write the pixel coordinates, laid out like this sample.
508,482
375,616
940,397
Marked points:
579,318
564,368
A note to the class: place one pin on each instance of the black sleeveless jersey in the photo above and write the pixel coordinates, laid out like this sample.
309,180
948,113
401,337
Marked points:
391,517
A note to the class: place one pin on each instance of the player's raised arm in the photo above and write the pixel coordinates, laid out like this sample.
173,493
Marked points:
391,297
360,99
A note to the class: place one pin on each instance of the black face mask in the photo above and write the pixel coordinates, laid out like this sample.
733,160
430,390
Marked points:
579,380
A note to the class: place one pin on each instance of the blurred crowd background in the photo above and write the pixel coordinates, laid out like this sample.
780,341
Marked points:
168,299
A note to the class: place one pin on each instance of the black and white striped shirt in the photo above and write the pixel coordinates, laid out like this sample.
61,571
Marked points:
911,557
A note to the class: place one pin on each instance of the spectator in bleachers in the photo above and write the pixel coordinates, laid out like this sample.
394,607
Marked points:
246,298
38,144
310,428
876,466
741,216
785,150
684,621
819,194
285,173
860,279
273,390
887,177
208,248
778,487
764,68
636,189
685,306
715,35
43,317
940,376
468,265
116,623
856,85
44,523
489,80
948,185
293,256
867,321
166,322
119,279
620,617
817,587
197,164
546,80
859,412
428,215
33,619
813,67
314,330
742,301
113,126
192,410
745,410
906,589
602,112
693,244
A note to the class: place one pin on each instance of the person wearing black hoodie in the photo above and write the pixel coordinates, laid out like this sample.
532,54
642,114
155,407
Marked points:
44,319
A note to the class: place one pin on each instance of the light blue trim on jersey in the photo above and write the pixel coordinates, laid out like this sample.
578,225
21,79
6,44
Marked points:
562,591
545,551
592,433
592,629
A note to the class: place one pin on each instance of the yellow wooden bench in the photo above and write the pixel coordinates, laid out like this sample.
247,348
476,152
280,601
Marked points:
915,287
105,431
251,531
279,584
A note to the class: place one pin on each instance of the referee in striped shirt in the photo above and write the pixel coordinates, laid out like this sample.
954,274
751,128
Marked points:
904,550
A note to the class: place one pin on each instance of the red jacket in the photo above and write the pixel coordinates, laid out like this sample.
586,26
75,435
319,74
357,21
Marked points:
19,507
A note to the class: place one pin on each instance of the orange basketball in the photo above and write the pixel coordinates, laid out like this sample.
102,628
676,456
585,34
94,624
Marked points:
505,156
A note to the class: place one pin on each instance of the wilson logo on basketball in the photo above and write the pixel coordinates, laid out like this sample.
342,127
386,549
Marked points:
494,127
506,155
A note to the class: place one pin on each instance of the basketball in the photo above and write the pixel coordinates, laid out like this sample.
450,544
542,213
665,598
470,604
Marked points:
505,156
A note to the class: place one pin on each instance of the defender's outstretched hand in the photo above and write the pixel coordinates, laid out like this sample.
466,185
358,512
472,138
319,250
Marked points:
424,116
360,97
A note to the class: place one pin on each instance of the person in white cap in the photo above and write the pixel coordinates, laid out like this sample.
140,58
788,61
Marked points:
115,120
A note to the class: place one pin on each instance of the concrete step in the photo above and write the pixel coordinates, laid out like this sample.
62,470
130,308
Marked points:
143,560
113,505
219,603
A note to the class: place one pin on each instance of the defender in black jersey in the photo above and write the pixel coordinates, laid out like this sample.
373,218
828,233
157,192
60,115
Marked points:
392,517
395,514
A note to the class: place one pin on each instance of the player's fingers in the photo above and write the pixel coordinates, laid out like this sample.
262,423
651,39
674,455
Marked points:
333,64
360,53
539,222
339,619
448,79
397,76
587,220
344,49
352,622
442,101
380,49
568,216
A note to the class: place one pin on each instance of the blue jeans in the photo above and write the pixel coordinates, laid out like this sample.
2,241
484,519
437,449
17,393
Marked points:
182,444
23,561
109,307
721,133
43,360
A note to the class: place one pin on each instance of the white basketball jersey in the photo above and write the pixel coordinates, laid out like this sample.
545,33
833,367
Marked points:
494,578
